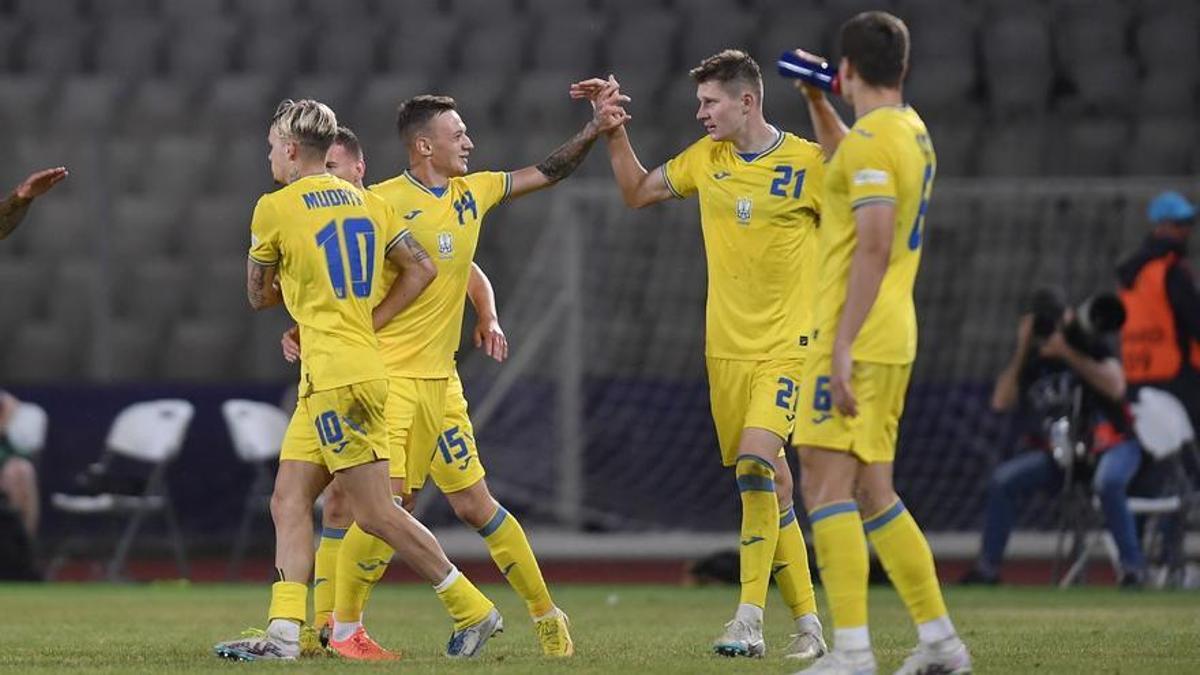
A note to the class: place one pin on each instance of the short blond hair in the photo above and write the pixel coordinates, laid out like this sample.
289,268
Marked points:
307,122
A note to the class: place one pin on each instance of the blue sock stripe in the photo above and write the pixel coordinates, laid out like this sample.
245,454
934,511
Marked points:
884,518
333,532
494,524
831,510
760,460
755,484
788,517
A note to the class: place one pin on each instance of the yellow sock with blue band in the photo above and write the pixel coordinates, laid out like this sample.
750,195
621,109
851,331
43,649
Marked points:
841,549
760,526
325,575
510,550
906,557
790,566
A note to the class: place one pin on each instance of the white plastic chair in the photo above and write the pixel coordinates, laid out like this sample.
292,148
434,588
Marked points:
152,433
26,429
256,430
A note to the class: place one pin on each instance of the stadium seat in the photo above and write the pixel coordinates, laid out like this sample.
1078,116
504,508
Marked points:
201,351
1168,41
42,13
150,435
160,106
130,48
260,357
421,47
541,102
187,13
956,142
60,228
1016,54
559,8
243,171
179,166
220,290
337,91
218,226
24,283
143,227
203,51
1106,84
276,49
480,13
1090,147
1017,148
86,105
134,350
709,32
497,50
154,292
642,43
256,430
264,12
239,103
342,14
23,101
43,352
56,52
375,111
943,88
76,295
1162,146
353,51
569,43
791,28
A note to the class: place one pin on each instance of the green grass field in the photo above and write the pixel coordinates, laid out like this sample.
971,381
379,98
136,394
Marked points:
618,629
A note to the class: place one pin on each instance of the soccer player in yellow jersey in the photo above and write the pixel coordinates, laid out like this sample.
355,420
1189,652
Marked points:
760,205
444,206
877,189
317,248
457,469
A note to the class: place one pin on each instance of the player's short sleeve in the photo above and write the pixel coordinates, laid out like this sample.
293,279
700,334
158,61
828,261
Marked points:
489,189
869,169
680,171
264,231
814,180
391,225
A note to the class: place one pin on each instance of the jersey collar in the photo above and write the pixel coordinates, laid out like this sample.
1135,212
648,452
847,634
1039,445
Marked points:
750,157
424,188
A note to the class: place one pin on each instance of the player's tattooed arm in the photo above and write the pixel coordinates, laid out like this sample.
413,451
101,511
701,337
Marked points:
607,113
13,209
417,271
262,287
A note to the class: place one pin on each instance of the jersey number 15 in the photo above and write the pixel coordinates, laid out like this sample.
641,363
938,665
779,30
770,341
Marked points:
359,237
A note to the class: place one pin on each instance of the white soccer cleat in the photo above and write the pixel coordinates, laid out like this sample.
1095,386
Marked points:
858,662
468,642
809,641
947,657
741,638
258,645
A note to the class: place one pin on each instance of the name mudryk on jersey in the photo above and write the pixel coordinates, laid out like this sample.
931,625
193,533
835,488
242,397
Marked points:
333,197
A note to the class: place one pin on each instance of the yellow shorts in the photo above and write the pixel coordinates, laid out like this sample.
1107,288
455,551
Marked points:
456,464
339,428
414,419
879,389
760,394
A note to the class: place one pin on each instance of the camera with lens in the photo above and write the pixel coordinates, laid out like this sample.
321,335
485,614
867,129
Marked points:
1100,315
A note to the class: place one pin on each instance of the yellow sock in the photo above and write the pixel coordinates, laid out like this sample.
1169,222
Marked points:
790,566
908,561
289,601
465,604
842,558
361,563
325,575
509,548
760,526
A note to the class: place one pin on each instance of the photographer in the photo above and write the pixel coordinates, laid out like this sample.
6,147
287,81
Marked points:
1065,375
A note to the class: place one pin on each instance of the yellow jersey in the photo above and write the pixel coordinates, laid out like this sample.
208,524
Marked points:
421,341
757,214
886,157
328,248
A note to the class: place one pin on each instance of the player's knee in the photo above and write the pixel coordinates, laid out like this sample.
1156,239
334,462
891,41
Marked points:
337,508
473,507
784,486
754,474
18,473
287,507
873,499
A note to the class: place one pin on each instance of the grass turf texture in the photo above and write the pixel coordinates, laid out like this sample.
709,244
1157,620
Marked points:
617,629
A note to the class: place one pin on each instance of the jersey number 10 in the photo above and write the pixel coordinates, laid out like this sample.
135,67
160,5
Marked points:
359,237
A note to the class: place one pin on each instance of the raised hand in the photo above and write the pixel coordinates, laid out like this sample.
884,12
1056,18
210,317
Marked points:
39,183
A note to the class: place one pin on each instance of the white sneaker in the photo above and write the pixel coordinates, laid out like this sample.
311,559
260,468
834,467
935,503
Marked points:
858,662
808,642
258,645
741,638
947,657
468,642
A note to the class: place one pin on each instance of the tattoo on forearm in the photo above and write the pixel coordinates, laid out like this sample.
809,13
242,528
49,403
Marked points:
256,286
12,212
418,252
563,161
